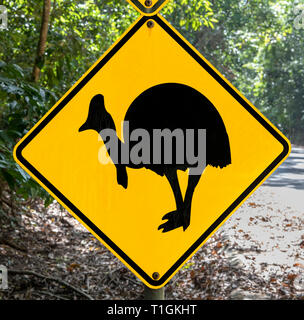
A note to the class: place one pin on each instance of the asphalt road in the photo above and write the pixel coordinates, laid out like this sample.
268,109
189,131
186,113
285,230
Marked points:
267,234
288,179
291,173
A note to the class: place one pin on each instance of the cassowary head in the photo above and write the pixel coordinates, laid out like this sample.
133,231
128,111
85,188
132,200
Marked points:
98,115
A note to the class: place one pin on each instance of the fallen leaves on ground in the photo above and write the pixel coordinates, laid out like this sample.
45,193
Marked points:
257,254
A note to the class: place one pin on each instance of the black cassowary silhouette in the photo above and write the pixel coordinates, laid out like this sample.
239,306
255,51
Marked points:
168,106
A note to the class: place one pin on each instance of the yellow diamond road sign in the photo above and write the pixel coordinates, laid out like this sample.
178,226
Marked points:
152,216
148,7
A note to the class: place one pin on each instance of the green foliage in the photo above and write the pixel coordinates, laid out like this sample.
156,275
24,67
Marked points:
23,104
255,45
189,16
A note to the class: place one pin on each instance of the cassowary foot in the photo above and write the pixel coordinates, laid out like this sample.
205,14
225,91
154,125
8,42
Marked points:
175,220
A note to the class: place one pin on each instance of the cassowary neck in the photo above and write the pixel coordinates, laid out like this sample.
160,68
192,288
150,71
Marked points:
110,138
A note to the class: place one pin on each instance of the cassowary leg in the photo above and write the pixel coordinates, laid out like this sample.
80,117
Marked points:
173,180
192,183
174,217
122,176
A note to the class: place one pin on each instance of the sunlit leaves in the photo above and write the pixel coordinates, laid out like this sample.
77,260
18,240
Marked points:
190,14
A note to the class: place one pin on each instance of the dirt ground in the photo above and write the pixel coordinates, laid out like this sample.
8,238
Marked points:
257,254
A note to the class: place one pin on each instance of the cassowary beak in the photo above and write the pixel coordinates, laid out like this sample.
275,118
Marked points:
83,127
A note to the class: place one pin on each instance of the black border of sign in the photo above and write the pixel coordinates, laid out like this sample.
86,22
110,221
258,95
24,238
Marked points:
93,227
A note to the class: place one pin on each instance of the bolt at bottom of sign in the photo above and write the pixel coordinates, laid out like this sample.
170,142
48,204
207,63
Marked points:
148,3
155,275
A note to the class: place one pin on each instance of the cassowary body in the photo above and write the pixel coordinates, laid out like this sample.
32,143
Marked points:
168,106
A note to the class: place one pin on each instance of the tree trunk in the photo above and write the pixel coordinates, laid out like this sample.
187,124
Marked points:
39,61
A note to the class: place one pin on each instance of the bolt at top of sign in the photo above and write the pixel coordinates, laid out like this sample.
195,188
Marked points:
148,7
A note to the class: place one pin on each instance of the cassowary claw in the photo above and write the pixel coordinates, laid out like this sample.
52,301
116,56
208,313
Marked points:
175,220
